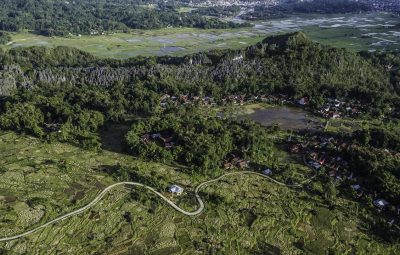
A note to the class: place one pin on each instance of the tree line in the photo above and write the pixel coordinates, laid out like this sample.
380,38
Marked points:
79,92
201,143
60,18
288,8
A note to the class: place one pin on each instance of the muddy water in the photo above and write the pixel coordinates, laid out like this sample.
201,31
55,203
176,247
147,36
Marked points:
288,118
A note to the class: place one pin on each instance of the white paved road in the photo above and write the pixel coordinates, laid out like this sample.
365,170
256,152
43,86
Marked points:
105,191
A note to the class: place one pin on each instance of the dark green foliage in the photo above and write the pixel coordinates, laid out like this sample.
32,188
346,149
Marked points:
22,117
218,11
60,18
372,161
379,138
133,174
52,84
315,6
197,141
4,38
289,64
390,61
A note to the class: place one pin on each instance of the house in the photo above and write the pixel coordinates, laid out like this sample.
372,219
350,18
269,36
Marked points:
164,97
176,190
145,138
240,57
156,136
267,171
295,149
315,165
243,163
228,165
169,145
355,187
52,127
303,101
380,203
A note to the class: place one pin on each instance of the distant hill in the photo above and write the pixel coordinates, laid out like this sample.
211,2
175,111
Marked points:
60,18
290,64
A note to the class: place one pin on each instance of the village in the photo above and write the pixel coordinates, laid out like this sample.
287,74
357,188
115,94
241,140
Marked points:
332,109
325,154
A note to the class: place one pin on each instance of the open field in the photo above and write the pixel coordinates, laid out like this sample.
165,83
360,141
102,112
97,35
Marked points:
171,41
243,214
355,32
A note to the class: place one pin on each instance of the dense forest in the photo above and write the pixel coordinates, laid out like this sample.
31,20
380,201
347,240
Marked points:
316,6
60,18
289,64
372,160
198,142
219,11
78,92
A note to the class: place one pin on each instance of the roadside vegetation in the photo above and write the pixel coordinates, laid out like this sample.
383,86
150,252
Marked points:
4,38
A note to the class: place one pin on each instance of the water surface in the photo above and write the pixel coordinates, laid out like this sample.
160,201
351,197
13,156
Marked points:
288,118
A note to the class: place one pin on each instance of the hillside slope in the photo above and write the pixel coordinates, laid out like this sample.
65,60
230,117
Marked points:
290,64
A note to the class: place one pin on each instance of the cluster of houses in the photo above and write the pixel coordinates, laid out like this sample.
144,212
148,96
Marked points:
168,99
316,157
166,141
226,3
233,161
233,99
335,109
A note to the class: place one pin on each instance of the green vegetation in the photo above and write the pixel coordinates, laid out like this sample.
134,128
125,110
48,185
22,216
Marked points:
361,32
379,167
266,217
315,6
4,38
60,18
166,41
219,11
199,143
71,101
53,84
289,64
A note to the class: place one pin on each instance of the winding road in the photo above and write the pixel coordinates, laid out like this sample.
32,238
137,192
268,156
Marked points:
177,208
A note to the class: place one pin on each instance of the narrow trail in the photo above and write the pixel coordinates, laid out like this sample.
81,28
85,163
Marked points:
172,204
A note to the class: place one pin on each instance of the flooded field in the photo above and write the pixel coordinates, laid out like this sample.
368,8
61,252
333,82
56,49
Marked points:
288,118
368,31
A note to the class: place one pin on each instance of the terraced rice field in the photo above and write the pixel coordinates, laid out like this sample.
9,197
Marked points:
243,215
369,31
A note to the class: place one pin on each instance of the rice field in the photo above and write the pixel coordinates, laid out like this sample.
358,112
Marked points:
243,215
370,31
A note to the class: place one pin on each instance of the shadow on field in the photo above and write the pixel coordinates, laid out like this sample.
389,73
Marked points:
112,137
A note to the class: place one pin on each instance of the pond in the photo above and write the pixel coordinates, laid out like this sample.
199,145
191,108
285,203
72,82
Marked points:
288,118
